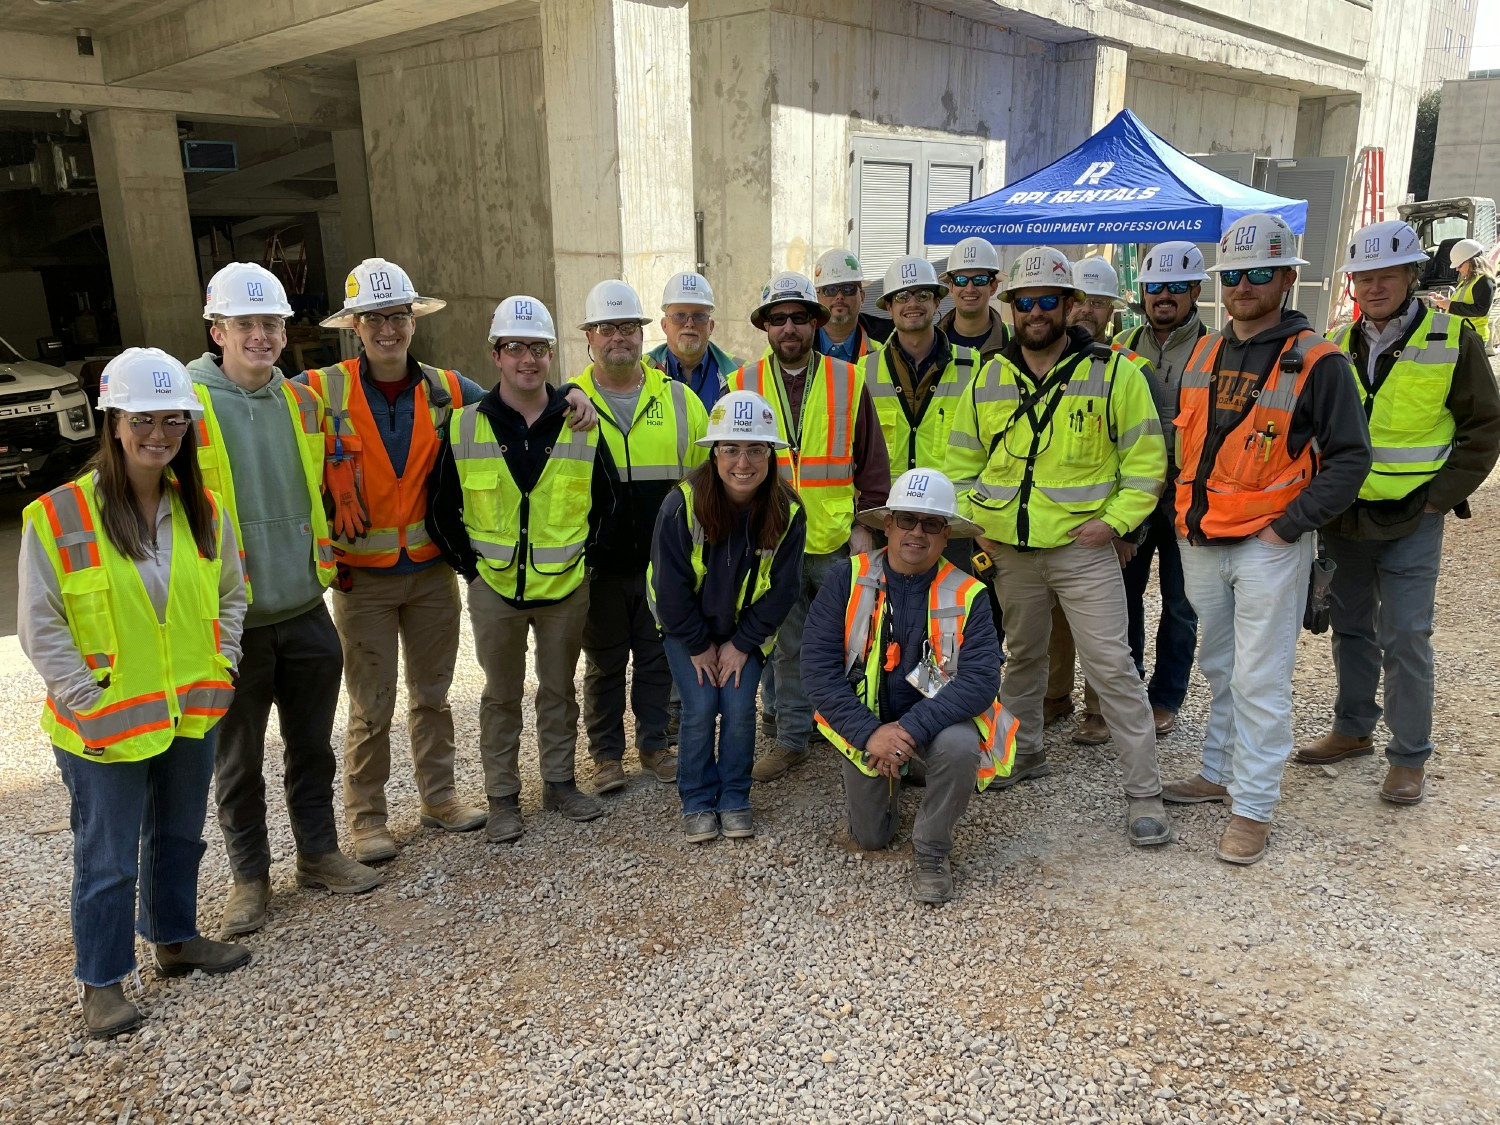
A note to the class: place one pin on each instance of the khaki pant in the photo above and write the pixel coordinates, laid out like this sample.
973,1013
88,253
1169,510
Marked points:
1087,584
381,615
500,636
1061,654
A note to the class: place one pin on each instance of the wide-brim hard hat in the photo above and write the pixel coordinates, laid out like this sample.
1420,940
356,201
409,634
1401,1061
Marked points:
958,527
420,306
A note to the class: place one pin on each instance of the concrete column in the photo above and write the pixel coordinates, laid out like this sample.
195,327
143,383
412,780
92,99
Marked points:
618,86
152,259
1090,90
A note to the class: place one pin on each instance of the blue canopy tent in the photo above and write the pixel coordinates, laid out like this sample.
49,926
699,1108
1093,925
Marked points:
1123,184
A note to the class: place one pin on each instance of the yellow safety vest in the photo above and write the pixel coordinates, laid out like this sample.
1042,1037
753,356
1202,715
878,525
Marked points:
1411,427
659,444
921,442
165,681
530,544
819,460
950,599
306,411
757,581
1463,295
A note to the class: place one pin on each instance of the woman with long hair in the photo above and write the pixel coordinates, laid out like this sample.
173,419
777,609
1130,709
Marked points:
726,562
1475,292
131,608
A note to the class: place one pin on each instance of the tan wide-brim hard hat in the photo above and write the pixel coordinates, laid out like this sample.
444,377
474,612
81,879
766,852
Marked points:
420,306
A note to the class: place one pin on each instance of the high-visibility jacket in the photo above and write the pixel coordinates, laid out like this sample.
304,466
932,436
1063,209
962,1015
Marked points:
397,505
306,411
920,441
1033,462
1411,427
950,598
530,544
757,580
660,442
162,681
1464,294
819,459
1250,477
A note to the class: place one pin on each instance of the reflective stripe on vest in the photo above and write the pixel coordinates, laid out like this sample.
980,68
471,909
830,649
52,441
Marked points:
950,599
530,544
1411,427
397,505
819,460
925,445
1464,295
161,681
304,407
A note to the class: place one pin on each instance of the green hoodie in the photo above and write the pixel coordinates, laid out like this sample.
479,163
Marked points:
270,493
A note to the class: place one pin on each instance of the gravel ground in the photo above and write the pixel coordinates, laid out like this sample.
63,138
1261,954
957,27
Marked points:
612,972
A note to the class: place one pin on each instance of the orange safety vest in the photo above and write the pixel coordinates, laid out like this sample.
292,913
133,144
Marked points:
397,505
1252,476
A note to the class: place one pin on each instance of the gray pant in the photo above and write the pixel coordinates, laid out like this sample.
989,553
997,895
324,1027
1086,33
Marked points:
619,631
794,711
1384,602
875,802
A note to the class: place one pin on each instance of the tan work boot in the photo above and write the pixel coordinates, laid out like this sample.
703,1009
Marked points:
1092,730
662,763
106,1012
768,767
374,845
1164,721
1193,791
1333,748
1243,841
245,912
1058,708
1404,785
199,954
337,873
454,815
609,775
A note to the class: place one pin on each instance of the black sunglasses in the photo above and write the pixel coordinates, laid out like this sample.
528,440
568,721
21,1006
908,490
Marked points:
776,320
1176,287
964,280
850,289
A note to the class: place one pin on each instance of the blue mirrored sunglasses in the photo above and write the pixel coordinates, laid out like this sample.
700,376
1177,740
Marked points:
1259,276
1177,287
964,280
1026,304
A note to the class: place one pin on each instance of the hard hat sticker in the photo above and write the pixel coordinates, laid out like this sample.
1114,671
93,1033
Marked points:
351,286
255,291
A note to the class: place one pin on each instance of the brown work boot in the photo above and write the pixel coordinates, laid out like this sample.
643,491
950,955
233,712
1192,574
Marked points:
504,822
106,1012
662,764
1333,748
1243,841
1404,785
1164,720
609,775
454,815
1058,708
199,954
768,767
1026,767
1092,730
336,873
373,845
245,912
565,797
1193,791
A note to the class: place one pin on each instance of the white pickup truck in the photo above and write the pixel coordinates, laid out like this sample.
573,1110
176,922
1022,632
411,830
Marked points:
46,422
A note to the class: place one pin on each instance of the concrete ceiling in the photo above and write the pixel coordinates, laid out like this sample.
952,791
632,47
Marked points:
102,17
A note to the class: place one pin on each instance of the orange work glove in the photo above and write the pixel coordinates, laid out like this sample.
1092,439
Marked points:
350,519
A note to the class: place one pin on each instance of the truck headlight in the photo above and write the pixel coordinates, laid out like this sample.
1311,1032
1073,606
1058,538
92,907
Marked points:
80,418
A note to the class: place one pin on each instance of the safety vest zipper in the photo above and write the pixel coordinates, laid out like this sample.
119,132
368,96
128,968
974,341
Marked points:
523,540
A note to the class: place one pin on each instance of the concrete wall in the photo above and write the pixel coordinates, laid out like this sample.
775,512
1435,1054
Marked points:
455,143
1391,87
1467,158
1201,112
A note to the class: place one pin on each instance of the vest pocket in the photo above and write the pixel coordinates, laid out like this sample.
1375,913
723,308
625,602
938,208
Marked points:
86,601
1418,401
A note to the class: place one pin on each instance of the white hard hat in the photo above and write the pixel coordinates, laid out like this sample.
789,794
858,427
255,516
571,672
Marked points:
1172,261
143,379
1463,250
926,492
1041,267
1095,277
522,318
378,284
789,286
973,254
245,289
687,289
1377,245
742,416
910,272
611,301
1257,241
837,267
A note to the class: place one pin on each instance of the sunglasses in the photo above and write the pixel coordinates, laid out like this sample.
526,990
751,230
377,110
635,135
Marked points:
609,331
921,296
1262,275
1177,288
172,427
517,348
776,320
964,280
849,290
1026,304
932,525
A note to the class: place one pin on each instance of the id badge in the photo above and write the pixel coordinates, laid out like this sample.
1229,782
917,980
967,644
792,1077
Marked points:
927,677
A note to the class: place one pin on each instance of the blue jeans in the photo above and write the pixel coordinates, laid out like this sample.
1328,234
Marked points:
1177,630
706,783
131,817
1249,597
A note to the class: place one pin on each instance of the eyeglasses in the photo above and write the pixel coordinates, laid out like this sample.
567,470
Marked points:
964,280
756,453
1261,275
932,525
776,320
266,325
377,319
1026,304
1099,304
517,348
609,331
1176,288
851,289
173,426
922,296
683,319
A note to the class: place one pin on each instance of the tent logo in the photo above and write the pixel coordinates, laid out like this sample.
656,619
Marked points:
1094,173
